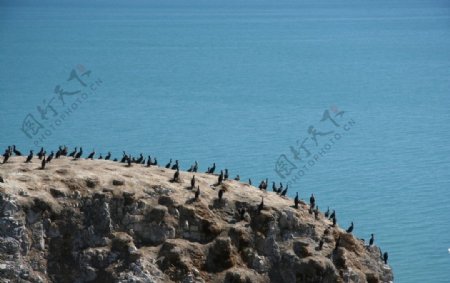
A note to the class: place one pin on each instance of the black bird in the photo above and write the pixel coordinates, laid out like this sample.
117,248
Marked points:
193,182
78,155
350,229
212,169
140,159
261,185
149,161
64,151
124,157
385,257
334,221
16,152
30,156
91,155
175,166
249,181
50,157
225,176
176,176
283,193
58,153
312,201
72,154
155,162
316,212
372,239
237,178
40,153
168,164
221,191
197,193
101,156
327,213
274,188
333,214
195,167
6,156
220,178
261,205
129,160
115,160
296,201
108,156
43,162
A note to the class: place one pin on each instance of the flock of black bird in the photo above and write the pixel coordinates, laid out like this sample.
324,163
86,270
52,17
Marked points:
224,175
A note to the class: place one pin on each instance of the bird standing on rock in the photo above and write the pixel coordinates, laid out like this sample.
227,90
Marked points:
220,180
372,239
385,257
16,152
50,157
221,191
72,154
350,229
108,156
41,153
176,176
327,213
197,193
91,155
193,182
169,164
296,201
78,155
283,193
30,156
43,162
312,201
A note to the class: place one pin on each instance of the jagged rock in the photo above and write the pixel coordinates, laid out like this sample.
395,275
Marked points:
61,225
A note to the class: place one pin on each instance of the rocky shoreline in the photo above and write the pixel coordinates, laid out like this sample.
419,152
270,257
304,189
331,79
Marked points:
104,221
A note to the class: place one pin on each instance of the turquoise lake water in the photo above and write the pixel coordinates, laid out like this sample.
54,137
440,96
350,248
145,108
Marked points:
239,85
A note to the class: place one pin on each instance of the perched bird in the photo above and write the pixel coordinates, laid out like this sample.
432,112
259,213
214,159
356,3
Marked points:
193,182
220,180
237,178
334,221
212,169
385,257
16,152
296,201
372,239
155,162
197,193
30,156
176,176
129,160
78,155
225,176
249,181
221,191
91,155
43,162
50,157
124,157
108,156
312,201
333,214
261,205
283,193
6,156
149,161
274,187
58,153
72,154
40,153
327,213
350,229
175,166
101,156
168,164
140,159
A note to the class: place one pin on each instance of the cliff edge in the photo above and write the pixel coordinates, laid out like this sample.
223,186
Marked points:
103,221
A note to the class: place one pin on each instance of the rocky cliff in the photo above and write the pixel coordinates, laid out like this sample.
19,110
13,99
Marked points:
103,221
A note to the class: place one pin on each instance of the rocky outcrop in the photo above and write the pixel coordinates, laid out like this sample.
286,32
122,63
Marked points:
101,221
